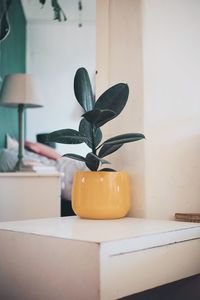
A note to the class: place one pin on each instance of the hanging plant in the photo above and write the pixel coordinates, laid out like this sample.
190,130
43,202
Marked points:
59,15
58,11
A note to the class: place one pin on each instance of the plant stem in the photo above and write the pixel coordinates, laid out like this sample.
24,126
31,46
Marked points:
99,146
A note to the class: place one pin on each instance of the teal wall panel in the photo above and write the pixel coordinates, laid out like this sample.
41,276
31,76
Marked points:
12,60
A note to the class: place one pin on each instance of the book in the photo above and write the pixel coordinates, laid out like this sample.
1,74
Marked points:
33,166
44,169
190,217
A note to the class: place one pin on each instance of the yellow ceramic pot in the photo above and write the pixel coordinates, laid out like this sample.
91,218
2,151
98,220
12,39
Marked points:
101,195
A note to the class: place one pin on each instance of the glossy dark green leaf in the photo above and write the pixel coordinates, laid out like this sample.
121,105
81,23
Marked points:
97,136
107,170
83,89
124,138
99,117
85,129
67,136
108,149
114,98
75,156
93,161
103,161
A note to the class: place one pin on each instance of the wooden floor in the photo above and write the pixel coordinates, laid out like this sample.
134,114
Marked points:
186,289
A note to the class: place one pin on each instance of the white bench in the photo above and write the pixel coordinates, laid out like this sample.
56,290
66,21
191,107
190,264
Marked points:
76,259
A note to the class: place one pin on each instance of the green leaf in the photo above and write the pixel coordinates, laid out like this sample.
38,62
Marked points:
97,136
108,149
124,138
99,117
103,161
67,136
93,161
107,170
85,129
114,98
75,156
83,89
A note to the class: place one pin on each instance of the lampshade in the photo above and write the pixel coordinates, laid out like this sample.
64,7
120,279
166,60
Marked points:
20,89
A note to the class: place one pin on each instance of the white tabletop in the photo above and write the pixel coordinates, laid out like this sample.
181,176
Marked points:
29,174
99,231
109,254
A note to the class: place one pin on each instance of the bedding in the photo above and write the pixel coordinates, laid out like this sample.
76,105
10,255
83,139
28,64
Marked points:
42,150
38,148
65,166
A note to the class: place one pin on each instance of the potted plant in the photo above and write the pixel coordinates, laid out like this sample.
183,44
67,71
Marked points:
102,192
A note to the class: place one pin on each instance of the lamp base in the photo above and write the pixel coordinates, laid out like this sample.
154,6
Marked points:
20,167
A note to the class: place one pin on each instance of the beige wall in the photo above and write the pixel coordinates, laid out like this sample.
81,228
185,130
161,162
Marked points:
119,59
154,46
171,54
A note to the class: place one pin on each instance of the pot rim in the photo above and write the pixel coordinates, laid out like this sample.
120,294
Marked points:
100,172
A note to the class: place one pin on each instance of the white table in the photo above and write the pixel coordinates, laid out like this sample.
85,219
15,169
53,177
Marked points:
29,195
76,259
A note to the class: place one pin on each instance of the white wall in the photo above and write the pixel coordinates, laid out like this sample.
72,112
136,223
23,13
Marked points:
154,46
54,52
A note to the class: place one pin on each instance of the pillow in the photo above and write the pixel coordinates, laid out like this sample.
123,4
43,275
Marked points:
42,150
11,143
8,160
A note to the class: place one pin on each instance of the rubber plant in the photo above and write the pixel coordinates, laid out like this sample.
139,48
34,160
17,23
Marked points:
96,113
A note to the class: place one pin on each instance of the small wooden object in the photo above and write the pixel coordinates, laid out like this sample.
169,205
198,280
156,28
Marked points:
193,217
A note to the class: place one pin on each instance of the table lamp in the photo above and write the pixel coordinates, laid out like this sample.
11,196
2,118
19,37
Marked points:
21,91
